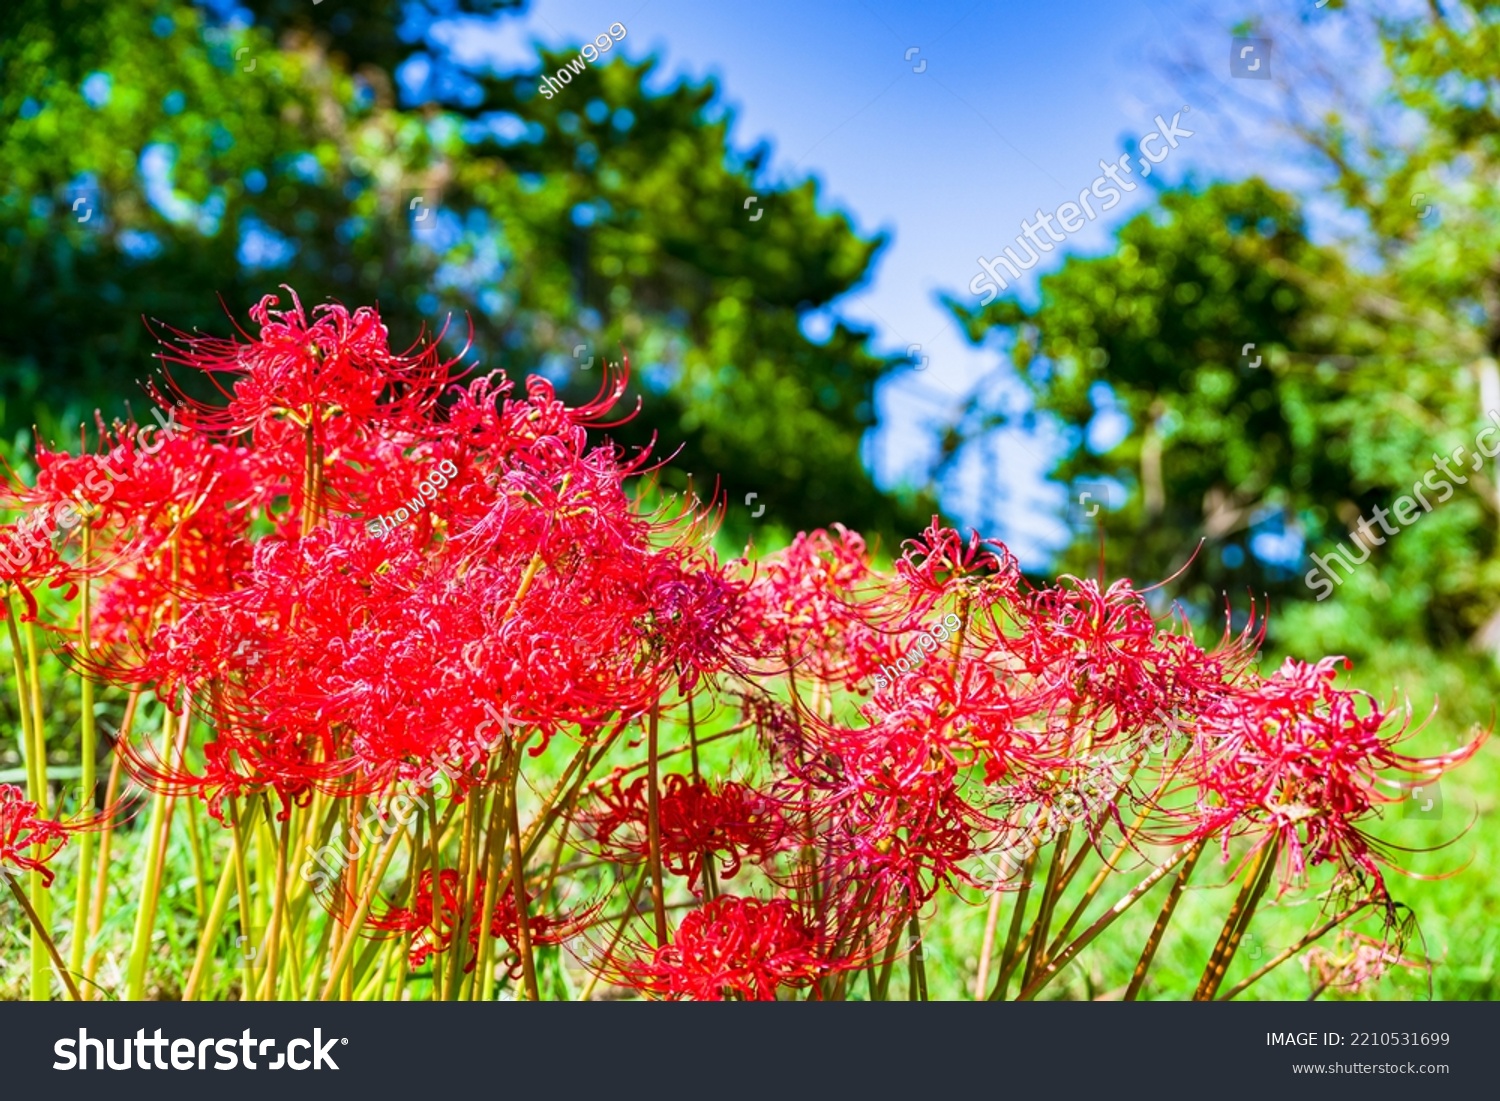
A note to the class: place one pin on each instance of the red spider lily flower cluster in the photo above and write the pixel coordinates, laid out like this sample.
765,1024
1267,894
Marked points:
997,731
314,669
1299,762
330,662
28,840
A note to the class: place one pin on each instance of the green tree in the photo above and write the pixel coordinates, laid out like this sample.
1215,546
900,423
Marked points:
1378,356
1218,440
223,161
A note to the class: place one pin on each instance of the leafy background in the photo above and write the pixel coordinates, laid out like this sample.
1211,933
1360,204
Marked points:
611,219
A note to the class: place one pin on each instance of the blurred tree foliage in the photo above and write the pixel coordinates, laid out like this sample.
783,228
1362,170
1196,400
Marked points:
161,156
1377,355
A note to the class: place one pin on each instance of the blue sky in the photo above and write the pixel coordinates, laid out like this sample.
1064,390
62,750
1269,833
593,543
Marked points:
1004,108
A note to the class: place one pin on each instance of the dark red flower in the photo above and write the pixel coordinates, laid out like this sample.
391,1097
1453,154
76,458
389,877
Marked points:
733,945
698,820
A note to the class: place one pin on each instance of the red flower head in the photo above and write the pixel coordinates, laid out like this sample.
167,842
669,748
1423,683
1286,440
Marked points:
505,925
1111,670
890,810
28,556
23,829
820,610
698,820
733,945
308,372
693,616
1298,760
939,559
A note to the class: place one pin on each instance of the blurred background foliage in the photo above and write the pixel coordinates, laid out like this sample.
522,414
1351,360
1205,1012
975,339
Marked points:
164,161
159,159
1373,354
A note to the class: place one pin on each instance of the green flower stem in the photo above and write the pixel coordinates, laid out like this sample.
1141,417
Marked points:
1256,881
145,915
1063,958
1138,979
39,934
1279,959
518,876
357,920
210,931
87,782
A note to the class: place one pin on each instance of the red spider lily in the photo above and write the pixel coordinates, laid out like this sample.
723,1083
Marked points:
174,531
486,418
939,560
1298,760
698,820
329,663
436,921
694,625
28,556
889,810
339,663
235,576
734,946
505,924
808,607
1034,686
69,491
1109,668
22,828
301,370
